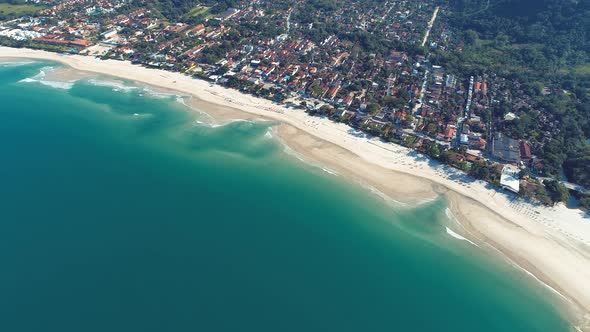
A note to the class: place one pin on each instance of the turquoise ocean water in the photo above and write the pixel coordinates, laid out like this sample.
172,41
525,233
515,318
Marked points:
119,211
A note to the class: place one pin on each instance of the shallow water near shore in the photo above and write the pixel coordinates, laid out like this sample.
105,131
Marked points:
121,211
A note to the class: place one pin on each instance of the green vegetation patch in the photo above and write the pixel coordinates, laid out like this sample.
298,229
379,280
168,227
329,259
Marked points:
11,10
582,70
198,10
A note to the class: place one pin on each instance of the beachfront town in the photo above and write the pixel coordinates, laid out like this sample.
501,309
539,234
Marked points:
369,64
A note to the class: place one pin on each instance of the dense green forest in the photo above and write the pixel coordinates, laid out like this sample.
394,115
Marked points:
540,39
539,43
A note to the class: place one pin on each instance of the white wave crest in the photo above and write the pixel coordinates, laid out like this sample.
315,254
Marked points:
329,171
383,195
163,95
58,85
513,263
450,215
40,78
246,123
15,63
116,86
293,153
459,237
180,100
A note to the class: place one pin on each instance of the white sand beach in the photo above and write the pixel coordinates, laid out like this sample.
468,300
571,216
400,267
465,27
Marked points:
552,243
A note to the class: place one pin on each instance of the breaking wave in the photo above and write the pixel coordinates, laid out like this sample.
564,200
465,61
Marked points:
459,237
120,86
114,85
15,63
40,78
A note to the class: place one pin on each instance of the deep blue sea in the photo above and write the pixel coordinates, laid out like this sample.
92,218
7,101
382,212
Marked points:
121,211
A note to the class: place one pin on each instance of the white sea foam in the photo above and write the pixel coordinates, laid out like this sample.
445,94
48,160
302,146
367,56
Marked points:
450,215
58,85
544,284
459,237
293,153
427,201
288,150
532,275
241,120
450,232
384,196
119,86
210,124
161,95
40,78
116,86
247,123
15,63
329,171
180,100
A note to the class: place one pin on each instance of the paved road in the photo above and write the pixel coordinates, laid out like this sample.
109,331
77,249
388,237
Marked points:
430,24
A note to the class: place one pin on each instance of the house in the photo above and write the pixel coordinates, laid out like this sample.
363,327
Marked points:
474,157
176,28
348,100
450,133
196,31
109,34
193,51
81,43
457,158
333,91
477,143
464,139
525,151
77,43
510,116
397,58
477,86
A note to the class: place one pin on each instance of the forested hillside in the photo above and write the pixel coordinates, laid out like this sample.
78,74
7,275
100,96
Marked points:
540,44
532,38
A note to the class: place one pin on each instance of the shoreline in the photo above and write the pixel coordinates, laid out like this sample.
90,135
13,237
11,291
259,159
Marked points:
537,241
471,216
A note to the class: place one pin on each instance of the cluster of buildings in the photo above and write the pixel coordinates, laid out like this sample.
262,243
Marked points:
359,63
